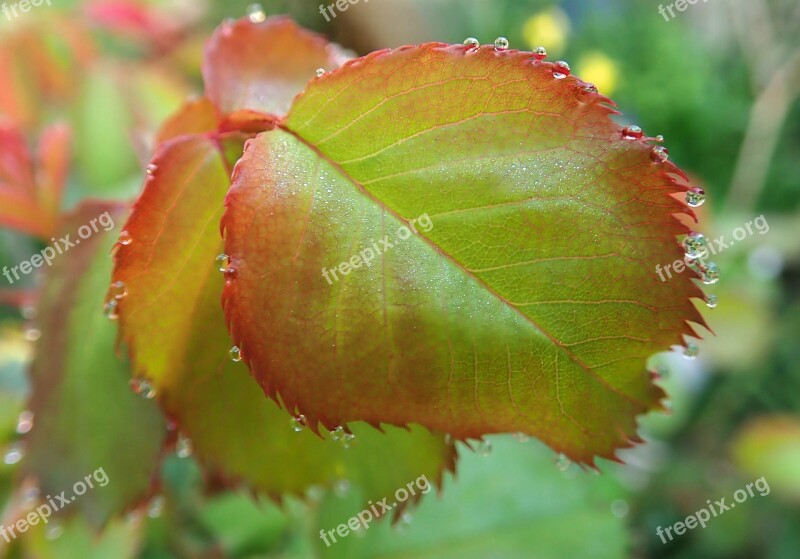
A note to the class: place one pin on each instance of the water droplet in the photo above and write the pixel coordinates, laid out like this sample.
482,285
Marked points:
540,53
143,388
183,447
589,88
691,350
709,273
14,454
501,44
659,154
484,447
32,334
222,261
151,169
620,508
156,507
118,290
711,301
315,492
562,462
25,422
472,43
521,437
29,312
695,245
560,70
337,434
659,138
53,531
235,353
30,496
255,13
341,488
406,518
298,423
348,439
320,72
125,238
111,310
632,132
695,197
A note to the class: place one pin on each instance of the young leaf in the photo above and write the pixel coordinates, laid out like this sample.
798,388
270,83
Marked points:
261,67
86,416
172,320
460,238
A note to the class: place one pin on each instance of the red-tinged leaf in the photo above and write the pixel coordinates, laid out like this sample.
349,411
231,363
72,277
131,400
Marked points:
195,117
527,298
86,416
262,66
172,320
40,66
29,203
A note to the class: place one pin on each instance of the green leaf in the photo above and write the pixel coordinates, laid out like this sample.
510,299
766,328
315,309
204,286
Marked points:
86,416
173,322
516,289
531,511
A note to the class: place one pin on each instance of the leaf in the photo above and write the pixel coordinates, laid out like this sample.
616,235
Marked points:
526,300
194,117
30,190
261,67
86,416
530,511
172,320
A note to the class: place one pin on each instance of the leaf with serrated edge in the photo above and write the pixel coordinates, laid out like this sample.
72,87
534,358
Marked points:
529,305
86,416
174,325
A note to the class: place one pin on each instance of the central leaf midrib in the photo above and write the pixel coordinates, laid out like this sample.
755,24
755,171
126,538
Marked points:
283,126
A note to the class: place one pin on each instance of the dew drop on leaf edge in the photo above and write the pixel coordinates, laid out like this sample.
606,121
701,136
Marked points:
501,44
695,197
256,14
560,70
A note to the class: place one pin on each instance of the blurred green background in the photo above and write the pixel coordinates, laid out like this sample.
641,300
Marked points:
720,81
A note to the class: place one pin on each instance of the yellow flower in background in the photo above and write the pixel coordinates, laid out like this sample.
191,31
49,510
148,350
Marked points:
549,29
597,68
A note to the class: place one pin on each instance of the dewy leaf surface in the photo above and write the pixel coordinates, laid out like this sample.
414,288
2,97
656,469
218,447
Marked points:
86,416
173,322
526,301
